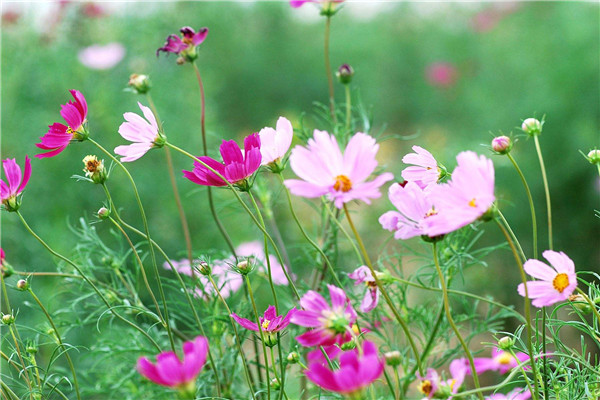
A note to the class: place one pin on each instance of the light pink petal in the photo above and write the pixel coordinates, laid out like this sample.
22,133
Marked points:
338,296
149,115
305,189
133,151
539,270
245,322
359,157
560,261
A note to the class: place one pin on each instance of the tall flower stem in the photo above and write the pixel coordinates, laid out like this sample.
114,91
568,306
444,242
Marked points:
308,239
512,235
211,203
546,190
451,320
348,108
282,392
184,223
384,292
60,342
237,336
88,281
526,306
328,70
147,231
246,208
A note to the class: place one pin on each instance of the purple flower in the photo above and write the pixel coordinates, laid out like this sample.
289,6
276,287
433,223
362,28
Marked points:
356,372
186,44
270,324
170,371
342,178
15,183
236,167
142,132
555,283
363,275
515,394
424,169
102,57
59,136
330,323
501,361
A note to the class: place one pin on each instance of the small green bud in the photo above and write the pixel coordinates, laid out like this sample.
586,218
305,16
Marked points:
506,343
203,268
580,303
103,213
245,266
8,319
344,74
393,358
22,285
31,347
140,83
293,357
275,384
348,345
594,156
532,126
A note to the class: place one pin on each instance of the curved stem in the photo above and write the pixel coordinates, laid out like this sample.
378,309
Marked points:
546,190
590,302
452,323
512,235
262,336
384,292
328,71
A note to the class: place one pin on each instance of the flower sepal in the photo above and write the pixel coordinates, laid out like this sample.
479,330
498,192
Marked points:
187,391
490,214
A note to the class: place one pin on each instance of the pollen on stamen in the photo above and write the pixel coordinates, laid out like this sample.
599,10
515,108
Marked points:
265,324
472,203
342,183
560,282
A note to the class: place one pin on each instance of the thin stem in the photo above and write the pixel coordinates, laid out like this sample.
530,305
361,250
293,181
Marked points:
344,231
281,367
262,336
512,353
526,306
397,377
60,342
590,302
328,71
89,282
546,190
451,320
348,108
384,292
8,390
512,235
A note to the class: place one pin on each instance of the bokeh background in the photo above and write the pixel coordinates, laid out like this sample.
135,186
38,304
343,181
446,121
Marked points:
446,76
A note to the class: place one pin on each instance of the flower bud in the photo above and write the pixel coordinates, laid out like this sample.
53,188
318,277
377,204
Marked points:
532,126
7,269
293,357
393,358
94,169
244,267
344,74
103,213
502,144
180,61
580,303
8,319
139,83
348,345
203,268
22,285
506,343
594,156
31,347
275,384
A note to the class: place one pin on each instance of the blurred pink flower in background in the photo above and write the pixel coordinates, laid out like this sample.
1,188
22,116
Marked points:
515,394
93,10
441,74
102,56
256,249
363,275
501,361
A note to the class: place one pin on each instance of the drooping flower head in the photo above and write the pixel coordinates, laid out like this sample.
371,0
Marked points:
357,371
256,249
515,394
501,361
468,196
424,170
15,183
274,144
236,167
59,136
325,171
184,46
173,372
270,324
144,134
330,323
555,283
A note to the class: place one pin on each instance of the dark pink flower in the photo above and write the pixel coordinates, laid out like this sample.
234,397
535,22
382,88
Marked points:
15,183
186,44
269,322
441,74
356,372
331,323
170,371
236,167
501,361
59,136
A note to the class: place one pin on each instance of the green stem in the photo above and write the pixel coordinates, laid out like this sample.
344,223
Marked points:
333,218
348,108
60,342
384,292
512,235
546,190
451,320
590,302
512,353
9,391
328,71
281,367
262,336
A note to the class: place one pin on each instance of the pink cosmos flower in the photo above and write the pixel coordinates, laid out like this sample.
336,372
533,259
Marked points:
299,3
356,372
424,169
256,249
414,206
468,195
102,57
15,183
186,44
501,361
441,74
59,136
237,167
142,132
172,372
274,143
432,384
269,322
342,178
515,394
555,283
363,275
330,323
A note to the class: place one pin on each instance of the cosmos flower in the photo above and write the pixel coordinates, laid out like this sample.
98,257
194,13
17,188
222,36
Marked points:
501,361
59,136
515,394
15,183
325,171
433,385
554,283
363,275
299,3
424,170
441,74
274,143
142,132
270,324
102,56
185,45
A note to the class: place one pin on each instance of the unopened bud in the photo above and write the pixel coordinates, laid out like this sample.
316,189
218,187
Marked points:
103,213
293,357
532,126
203,268
393,358
22,285
348,345
180,61
580,303
244,267
502,144
344,74
506,343
275,384
8,319
140,83
31,347
594,156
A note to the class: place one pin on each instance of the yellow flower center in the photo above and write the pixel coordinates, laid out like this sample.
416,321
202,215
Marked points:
504,358
560,282
355,329
472,203
92,164
265,324
430,213
425,387
342,183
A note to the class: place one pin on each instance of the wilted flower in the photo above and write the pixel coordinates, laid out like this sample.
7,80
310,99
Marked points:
274,143
424,170
142,132
555,283
441,74
270,324
102,57
357,371
501,361
502,144
363,275
94,169
515,394
236,167
185,46
173,372
342,178
59,136
330,323
15,183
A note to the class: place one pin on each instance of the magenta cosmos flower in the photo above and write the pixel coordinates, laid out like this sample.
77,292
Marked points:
172,372
59,136
330,323
299,3
274,143
501,361
15,183
467,197
236,167
257,250
555,283
363,275
424,170
186,44
356,372
515,394
142,132
433,385
270,324
324,170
